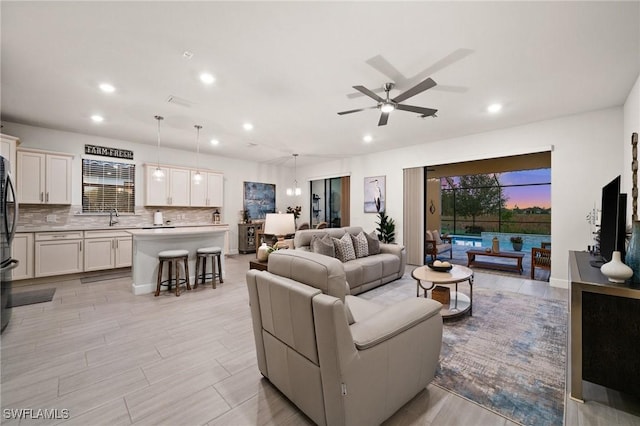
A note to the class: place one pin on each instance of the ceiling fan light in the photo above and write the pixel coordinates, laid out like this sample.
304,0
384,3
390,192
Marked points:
387,107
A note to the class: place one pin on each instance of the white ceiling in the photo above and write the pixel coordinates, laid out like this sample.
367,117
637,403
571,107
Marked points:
288,68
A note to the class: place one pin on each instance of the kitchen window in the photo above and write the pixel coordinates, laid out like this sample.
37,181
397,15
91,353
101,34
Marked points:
107,185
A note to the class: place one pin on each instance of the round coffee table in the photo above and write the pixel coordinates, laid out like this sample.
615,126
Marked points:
459,303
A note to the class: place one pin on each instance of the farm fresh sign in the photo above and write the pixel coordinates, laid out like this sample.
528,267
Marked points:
108,152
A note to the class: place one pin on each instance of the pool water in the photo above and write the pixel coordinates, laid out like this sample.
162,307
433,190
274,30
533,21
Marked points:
528,240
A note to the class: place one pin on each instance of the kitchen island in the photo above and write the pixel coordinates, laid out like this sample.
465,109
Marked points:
147,243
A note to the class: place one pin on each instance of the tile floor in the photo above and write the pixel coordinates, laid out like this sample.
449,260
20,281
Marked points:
111,358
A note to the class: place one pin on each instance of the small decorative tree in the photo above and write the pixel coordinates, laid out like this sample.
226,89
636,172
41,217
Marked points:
386,228
295,211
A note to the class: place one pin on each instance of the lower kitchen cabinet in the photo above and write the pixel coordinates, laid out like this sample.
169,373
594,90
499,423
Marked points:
107,250
22,250
58,253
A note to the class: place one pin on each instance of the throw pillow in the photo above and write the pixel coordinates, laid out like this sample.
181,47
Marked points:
322,244
373,243
344,248
360,245
436,236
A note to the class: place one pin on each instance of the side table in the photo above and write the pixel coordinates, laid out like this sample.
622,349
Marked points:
257,264
460,303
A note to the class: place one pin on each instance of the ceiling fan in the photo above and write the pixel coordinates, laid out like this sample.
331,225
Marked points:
387,105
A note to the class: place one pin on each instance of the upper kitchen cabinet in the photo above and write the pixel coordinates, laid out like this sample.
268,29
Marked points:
208,192
172,190
43,177
8,146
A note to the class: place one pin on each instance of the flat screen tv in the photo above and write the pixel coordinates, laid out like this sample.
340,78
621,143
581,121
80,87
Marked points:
613,222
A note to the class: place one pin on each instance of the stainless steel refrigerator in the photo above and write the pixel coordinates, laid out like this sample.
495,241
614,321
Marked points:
8,220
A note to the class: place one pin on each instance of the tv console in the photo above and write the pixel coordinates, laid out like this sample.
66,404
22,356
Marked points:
604,329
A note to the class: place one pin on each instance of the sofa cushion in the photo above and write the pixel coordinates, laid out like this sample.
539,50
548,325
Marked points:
360,245
373,242
323,244
390,263
344,248
429,236
436,236
371,267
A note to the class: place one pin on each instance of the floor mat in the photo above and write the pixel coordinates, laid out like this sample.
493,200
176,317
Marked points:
105,277
31,297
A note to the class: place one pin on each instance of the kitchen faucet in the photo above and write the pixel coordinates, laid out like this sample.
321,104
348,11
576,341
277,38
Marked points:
111,212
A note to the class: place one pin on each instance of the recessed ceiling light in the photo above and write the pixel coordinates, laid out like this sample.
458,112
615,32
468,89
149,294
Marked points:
215,142
107,88
247,126
207,78
187,54
97,118
367,138
493,108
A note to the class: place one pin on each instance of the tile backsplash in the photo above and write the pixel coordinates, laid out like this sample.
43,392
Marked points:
40,216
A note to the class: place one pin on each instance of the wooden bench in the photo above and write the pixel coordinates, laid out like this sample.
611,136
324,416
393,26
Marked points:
517,267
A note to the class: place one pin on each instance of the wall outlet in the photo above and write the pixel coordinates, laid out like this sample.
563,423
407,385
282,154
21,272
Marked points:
51,218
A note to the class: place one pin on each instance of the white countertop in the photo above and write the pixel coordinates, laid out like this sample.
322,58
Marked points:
64,228
178,231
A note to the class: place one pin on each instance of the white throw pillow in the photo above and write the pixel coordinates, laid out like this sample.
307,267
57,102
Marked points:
360,245
436,236
344,248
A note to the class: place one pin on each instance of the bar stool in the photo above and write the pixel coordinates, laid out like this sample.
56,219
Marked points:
173,257
202,254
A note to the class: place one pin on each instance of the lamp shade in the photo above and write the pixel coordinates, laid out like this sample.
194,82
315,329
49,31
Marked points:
279,224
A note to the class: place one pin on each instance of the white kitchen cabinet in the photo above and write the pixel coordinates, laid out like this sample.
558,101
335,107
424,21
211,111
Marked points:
8,146
22,250
208,193
58,253
43,177
173,190
106,250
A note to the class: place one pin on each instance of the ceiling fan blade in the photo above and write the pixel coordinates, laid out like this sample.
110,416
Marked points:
380,64
355,110
418,88
417,109
448,60
384,117
369,93
359,94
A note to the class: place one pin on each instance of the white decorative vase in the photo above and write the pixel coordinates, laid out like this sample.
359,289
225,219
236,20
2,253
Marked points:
263,252
616,271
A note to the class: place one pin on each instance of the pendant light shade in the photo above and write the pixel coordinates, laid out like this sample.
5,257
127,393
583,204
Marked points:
295,191
197,177
158,173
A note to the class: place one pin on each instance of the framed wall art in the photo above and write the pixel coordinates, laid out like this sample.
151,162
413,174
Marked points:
374,194
259,199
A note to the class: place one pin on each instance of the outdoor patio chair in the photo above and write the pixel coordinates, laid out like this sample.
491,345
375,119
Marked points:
541,259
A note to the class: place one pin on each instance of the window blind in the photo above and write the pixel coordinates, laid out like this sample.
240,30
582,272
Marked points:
107,185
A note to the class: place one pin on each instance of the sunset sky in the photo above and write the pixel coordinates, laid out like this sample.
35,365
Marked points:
526,196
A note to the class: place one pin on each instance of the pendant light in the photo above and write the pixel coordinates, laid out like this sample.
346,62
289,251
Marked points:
197,177
158,173
295,190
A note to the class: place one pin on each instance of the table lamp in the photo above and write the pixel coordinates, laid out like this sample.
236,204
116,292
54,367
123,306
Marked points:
279,224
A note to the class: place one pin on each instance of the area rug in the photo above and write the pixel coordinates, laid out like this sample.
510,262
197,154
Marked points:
30,297
508,357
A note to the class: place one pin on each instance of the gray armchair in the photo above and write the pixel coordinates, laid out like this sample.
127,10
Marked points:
341,359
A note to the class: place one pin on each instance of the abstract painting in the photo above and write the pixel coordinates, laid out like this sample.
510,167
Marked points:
259,199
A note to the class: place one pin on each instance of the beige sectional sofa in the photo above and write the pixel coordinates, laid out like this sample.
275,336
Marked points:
363,273
341,359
